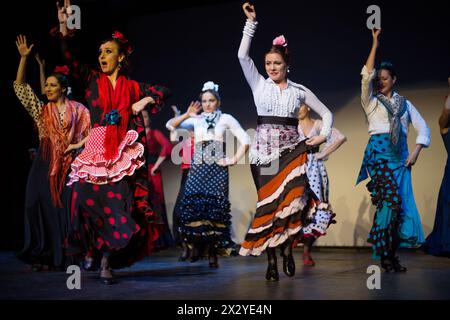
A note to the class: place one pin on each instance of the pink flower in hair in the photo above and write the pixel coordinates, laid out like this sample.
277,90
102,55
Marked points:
280,41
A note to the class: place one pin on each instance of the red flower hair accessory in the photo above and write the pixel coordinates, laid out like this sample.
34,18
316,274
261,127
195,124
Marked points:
62,69
117,35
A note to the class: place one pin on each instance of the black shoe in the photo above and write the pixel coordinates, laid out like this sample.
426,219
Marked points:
288,264
387,264
195,255
213,262
272,272
397,266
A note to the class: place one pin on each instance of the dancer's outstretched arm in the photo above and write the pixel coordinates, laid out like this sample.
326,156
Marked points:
41,63
243,138
370,63
23,90
337,138
192,111
24,51
251,73
368,72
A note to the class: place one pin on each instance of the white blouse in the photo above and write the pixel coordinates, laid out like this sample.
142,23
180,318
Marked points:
378,117
269,98
201,133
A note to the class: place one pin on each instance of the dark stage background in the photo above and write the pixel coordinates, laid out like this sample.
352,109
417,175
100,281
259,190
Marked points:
184,44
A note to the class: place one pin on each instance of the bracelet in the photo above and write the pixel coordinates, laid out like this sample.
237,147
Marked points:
250,27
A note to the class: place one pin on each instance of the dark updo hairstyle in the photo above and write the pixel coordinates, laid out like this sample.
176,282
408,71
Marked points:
125,48
389,67
63,82
282,51
213,92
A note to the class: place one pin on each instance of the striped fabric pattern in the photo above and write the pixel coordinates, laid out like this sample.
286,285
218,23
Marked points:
285,202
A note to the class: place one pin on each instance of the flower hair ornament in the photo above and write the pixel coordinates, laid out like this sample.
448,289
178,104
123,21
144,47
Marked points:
118,36
280,41
210,86
62,69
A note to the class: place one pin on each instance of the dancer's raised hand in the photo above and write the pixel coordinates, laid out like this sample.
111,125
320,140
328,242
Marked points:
193,109
175,110
249,11
22,47
375,36
40,61
63,11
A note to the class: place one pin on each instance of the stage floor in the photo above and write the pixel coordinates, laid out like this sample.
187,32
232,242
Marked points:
339,274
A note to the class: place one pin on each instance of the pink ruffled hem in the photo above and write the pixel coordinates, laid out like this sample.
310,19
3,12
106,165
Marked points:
91,165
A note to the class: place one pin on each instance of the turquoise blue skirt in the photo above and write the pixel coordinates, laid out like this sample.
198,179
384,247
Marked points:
391,191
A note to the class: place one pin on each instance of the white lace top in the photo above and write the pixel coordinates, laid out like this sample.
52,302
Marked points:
270,99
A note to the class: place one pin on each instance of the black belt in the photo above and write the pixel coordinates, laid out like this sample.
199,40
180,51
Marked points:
277,120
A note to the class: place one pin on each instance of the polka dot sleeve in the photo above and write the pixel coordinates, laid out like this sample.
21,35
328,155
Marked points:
28,99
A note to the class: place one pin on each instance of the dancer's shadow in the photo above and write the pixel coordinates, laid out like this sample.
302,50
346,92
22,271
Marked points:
430,210
168,274
363,221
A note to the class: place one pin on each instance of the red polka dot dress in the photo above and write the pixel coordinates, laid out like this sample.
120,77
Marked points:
110,211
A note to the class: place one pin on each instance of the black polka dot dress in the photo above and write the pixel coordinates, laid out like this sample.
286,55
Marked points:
205,209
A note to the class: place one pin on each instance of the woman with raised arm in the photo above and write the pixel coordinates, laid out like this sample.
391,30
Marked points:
204,211
438,242
63,126
110,209
318,178
277,156
388,163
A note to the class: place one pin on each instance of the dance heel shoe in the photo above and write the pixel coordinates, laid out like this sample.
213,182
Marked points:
308,260
288,264
397,266
387,265
272,272
213,262
107,277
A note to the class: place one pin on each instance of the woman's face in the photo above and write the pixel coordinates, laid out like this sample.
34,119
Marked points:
146,117
303,112
385,82
209,102
53,89
109,57
276,67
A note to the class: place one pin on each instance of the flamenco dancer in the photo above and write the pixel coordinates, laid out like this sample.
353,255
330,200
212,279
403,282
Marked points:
438,242
204,212
318,178
388,163
63,127
158,149
186,154
110,210
285,200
